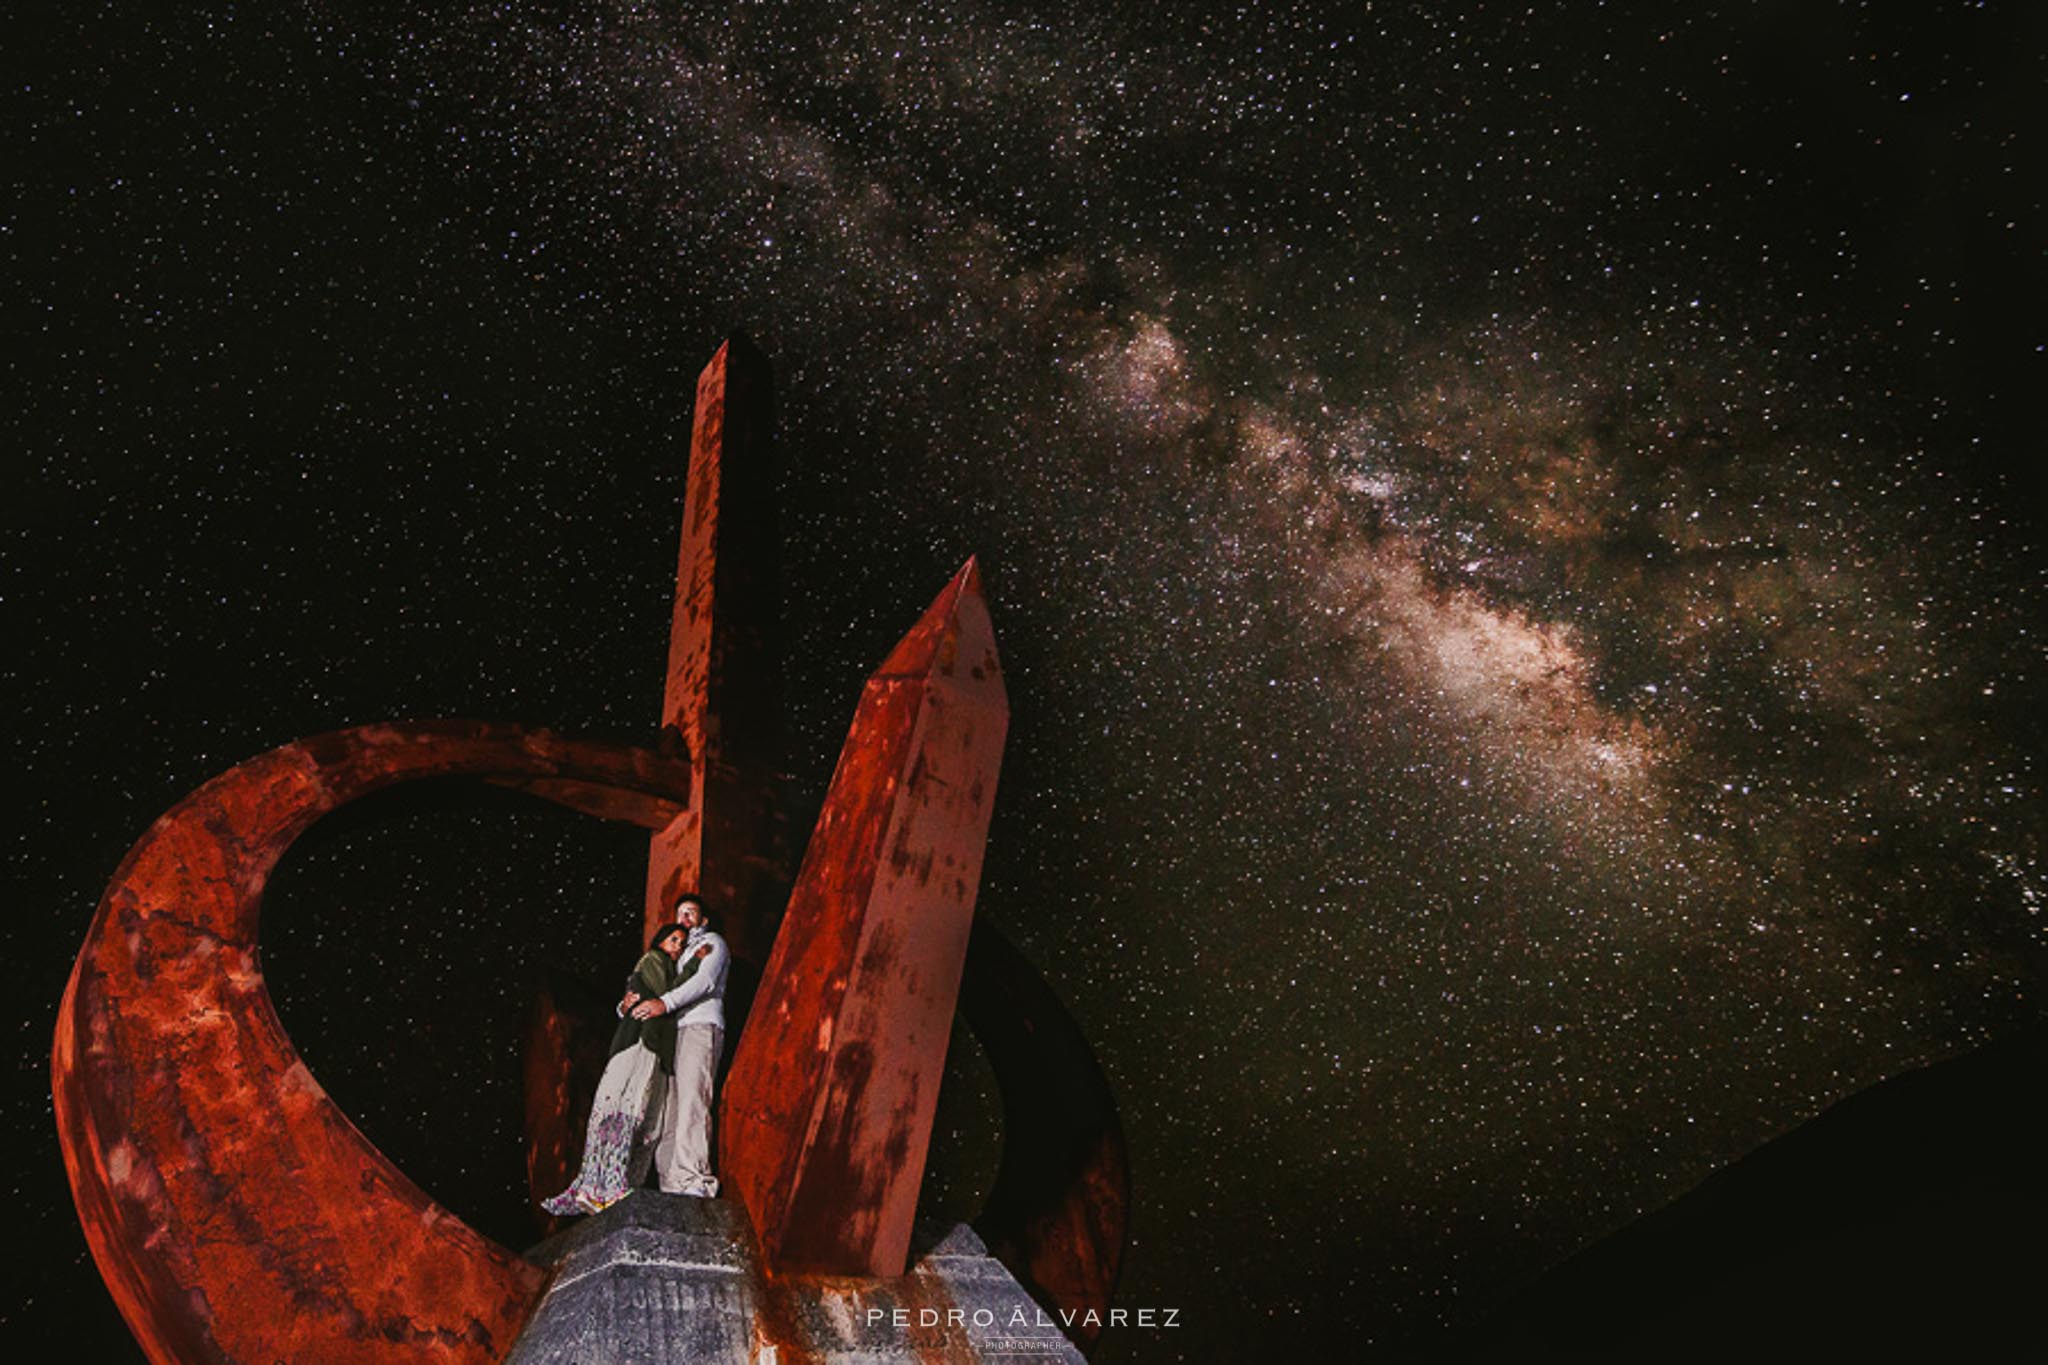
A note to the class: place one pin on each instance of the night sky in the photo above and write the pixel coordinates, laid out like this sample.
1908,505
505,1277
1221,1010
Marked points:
1514,538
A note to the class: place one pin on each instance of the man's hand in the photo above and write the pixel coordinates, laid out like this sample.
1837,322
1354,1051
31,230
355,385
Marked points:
650,1009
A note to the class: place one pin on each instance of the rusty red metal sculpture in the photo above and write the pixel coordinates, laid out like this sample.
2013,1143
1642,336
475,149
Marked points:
722,705
828,1109
235,1212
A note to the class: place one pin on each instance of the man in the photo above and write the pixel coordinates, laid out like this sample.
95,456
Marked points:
682,1152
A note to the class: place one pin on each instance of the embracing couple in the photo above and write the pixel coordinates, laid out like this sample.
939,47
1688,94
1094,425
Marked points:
653,1105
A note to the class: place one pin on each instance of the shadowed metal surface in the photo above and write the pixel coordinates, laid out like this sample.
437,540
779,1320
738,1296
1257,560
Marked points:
1060,1209
234,1211
827,1113
568,1037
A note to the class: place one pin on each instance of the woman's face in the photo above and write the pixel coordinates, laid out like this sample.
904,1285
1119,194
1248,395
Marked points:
672,943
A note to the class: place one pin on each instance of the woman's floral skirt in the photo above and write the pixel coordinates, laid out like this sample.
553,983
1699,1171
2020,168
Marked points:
625,1117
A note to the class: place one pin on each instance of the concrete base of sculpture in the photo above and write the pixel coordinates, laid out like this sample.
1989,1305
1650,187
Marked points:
660,1278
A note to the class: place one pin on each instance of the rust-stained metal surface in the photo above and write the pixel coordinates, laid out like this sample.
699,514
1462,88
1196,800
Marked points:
722,702
234,1211
827,1111
1060,1210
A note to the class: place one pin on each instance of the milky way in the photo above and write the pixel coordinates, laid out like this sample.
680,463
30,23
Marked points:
1525,652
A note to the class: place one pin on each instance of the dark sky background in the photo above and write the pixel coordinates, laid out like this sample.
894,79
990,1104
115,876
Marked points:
1514,536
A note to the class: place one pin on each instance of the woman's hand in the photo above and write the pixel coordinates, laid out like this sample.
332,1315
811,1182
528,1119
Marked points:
632,999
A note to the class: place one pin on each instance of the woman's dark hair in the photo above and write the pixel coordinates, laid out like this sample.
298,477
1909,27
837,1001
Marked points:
654,944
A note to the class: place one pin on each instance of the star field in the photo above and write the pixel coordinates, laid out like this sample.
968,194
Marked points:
1512,536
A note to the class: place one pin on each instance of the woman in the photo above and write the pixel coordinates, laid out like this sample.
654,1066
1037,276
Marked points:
624,1114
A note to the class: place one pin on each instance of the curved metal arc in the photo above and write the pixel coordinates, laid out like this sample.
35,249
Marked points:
1059,1213
233,1209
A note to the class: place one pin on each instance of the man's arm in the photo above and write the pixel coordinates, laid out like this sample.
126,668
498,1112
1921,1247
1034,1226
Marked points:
708,979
